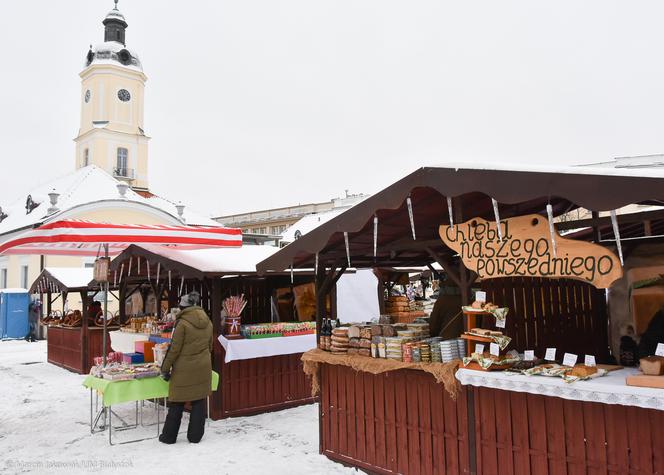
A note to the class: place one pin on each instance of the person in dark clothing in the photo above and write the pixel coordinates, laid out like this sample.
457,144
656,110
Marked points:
188,367
446,319
34,312
653,335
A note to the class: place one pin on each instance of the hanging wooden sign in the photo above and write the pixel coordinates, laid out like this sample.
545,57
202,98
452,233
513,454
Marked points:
526,250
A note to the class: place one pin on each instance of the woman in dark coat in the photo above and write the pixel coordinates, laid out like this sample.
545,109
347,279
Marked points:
188,366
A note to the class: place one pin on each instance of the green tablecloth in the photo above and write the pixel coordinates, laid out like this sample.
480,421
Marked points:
115,392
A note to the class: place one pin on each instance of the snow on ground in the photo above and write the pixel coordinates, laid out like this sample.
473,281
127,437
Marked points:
44,428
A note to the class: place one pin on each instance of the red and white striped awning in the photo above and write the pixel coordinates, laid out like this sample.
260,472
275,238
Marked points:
83,238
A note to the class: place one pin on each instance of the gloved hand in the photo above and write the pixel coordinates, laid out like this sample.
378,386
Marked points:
166,376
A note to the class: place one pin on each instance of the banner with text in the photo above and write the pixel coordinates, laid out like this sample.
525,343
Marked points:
526,251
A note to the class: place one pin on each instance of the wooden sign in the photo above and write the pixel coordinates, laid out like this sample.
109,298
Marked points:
526,251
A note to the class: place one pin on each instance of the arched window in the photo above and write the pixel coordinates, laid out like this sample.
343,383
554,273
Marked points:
121,163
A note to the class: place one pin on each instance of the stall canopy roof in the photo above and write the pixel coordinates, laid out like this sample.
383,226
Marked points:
65,279
198,262
519,190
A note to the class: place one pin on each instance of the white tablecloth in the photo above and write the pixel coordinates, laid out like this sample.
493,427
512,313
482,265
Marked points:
244,349
608,389
124,341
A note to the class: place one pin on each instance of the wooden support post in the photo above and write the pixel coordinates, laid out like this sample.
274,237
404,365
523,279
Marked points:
216,407
64,302
85,337
320,300
596,234
49,302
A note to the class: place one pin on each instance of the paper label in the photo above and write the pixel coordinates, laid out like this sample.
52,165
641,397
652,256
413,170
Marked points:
494,349
479,348
529,355
569,359
480,296
589,360
550,354
501,323
660,349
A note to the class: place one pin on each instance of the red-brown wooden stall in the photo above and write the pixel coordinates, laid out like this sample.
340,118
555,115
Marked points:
248,386
505,431
73,348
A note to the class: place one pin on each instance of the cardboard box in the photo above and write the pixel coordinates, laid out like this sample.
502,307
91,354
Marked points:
132,358
145,348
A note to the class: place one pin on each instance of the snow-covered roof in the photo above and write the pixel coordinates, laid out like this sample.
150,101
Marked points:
107,53
240,260
309,223
568,169
86,185
71,277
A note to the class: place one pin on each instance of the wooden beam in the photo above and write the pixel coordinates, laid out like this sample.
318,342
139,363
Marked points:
447,267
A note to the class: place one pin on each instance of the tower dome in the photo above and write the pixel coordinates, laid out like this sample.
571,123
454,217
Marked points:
115,25
114,48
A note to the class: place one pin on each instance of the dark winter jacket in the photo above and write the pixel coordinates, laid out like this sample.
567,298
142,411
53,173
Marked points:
189,356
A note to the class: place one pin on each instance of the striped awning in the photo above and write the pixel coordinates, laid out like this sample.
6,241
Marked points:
83,238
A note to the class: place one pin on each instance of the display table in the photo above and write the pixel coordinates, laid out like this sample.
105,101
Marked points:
608,389
260,375
538,424
124,341
133,390
244,349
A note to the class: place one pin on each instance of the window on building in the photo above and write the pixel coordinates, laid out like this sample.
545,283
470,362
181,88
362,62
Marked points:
3,278
274,230
24,277
86,157
121,163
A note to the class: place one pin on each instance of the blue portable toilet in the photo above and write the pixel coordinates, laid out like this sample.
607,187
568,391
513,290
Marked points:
14,313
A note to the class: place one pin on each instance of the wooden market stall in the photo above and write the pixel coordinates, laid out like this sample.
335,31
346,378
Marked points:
398,419
70,344
256,375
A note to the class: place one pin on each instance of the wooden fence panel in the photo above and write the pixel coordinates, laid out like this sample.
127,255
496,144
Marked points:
552,436
566,314
413,421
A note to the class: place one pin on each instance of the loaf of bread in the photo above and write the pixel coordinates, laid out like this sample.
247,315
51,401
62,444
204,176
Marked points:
354,342
652,365
353,331
582,371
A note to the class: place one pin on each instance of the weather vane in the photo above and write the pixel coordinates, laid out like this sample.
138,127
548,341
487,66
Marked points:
116,4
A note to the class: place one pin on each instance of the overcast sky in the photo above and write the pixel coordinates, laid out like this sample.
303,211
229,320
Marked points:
263,103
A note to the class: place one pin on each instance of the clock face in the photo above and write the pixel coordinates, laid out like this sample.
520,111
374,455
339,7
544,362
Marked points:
87,96
124,95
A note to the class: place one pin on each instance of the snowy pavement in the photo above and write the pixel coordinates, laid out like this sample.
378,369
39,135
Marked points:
44,428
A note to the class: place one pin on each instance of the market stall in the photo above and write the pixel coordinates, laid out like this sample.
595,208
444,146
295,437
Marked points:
257,373
74,336
510,233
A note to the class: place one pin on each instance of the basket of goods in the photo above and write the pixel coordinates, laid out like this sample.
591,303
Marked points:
233,307
159,352
72,319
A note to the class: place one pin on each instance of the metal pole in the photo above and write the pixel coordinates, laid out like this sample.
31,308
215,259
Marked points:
103,344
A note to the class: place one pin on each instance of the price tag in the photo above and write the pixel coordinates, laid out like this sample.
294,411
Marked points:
480,296
569,359
550,354
529,355
494,349
479,348
589,360
501,323
660,349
